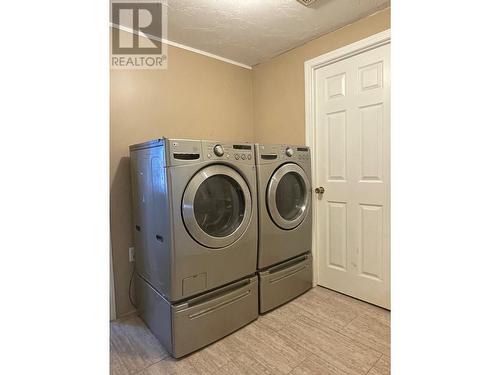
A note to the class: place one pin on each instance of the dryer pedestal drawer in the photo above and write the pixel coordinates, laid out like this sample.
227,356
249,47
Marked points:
188,326
283,282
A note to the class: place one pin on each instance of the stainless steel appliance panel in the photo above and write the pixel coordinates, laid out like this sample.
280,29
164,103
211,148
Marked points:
174,261
282,238
205,319
186,327
284,282
152,224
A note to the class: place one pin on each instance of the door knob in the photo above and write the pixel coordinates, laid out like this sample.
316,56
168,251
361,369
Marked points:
319,190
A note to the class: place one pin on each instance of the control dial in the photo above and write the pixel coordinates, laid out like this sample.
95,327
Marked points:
289,151
218,150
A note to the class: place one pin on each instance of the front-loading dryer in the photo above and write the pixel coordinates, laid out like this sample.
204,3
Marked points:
285,222
195,226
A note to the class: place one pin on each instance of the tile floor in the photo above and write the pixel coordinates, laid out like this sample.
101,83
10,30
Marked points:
321,332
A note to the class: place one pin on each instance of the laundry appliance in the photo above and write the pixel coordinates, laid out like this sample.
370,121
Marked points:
195,232
285,223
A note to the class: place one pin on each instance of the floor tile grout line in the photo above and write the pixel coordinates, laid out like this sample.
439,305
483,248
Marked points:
360,310
358,342
340,332
305,350
129,342
288,322
362,343
364,310
336,329
152,364
311,353
305,359
352,320
362,303
287,340
377,361
349,338
301,311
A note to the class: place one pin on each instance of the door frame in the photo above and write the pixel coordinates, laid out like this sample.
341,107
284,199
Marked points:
310,67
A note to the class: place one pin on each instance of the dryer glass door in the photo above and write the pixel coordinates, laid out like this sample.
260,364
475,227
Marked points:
216,206
288,196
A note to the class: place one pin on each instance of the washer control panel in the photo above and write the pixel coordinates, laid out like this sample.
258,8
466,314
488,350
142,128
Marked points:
269,153
241,152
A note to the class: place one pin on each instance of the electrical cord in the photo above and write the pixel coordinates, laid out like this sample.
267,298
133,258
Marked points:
130,287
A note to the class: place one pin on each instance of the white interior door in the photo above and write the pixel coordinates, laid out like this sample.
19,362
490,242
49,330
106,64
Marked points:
352,148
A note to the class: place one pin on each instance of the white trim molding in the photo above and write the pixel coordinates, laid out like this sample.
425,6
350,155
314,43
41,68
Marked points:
178,45
310,68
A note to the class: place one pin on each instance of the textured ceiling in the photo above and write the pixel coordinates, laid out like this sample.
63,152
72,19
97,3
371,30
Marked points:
253,31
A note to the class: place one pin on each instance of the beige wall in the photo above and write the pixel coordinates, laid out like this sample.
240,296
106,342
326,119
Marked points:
196,97
278,85
200,97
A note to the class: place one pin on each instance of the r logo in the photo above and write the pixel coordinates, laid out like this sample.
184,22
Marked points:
145,18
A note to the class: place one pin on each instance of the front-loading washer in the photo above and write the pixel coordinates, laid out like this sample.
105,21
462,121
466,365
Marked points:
285,222
195,232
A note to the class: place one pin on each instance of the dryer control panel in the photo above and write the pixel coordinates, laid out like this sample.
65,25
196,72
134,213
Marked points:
234,151
269,153
182,151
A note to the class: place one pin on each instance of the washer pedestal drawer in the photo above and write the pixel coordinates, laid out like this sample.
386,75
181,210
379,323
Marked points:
285,281
190,325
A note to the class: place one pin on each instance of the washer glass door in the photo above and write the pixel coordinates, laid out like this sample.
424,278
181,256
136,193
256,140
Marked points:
216,206
288,196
